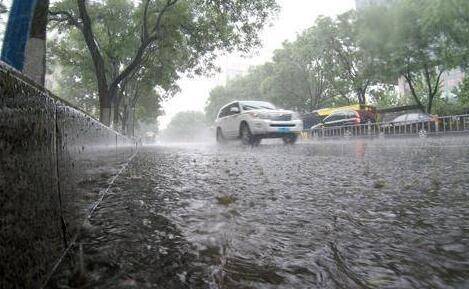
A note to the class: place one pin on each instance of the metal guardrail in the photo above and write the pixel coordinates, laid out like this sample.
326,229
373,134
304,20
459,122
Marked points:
439,125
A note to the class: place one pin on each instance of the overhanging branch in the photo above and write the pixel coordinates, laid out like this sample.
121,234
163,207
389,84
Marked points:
65,16
147,40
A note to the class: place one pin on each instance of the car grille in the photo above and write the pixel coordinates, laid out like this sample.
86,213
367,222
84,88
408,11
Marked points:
283,117
282,125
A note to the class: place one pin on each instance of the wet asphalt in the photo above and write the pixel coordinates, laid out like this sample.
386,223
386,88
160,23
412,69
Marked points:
335,214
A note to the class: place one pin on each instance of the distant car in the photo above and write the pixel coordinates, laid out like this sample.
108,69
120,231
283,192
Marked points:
418,122
413,118
347,117
311,119
251,121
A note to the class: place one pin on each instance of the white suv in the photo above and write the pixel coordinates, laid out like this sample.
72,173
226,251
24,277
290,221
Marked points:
251,121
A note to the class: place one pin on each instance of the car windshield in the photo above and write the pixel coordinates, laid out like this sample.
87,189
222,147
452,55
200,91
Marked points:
349,113
337,114
411,117
400,118
252,105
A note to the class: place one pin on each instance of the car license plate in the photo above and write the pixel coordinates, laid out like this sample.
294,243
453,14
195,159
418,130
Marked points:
283,129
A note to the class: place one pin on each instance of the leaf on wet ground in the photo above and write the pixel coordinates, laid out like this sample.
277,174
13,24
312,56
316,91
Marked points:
226,200
379,184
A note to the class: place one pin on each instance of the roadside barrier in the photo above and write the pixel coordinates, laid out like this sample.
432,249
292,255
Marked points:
54,161
455,124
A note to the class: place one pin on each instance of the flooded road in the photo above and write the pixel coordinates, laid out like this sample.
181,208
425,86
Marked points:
354,214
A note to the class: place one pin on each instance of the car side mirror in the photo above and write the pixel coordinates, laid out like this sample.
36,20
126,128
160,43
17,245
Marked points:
234,109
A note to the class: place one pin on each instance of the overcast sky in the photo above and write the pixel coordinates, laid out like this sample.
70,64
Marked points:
294,17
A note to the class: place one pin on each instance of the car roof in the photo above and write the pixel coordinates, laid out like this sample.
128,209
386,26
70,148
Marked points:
342,111
253,101
244,101
228,104
411,115
347,110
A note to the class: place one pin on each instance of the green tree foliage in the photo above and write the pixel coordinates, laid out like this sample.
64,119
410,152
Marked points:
74,88
186,126
218,97
300,71
451,19
386,96
462,93
123,37
353,67
239,88
289,85
322,67
357,56
72,67
410,41
142,116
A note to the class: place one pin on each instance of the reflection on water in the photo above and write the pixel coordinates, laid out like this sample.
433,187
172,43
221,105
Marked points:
366,214
360,148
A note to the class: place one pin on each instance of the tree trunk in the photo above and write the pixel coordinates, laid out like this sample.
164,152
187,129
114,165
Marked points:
413,92
115,122
316,99
104,107
125,114
311,103
432,92
105,100
35,55
429,89
107,91
430,103
361,96
130,121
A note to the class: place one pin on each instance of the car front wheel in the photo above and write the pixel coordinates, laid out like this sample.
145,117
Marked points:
220,138
247,138
290,139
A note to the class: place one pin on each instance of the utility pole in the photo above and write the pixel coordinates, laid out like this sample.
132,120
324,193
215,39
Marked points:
17,33
24,45
35,58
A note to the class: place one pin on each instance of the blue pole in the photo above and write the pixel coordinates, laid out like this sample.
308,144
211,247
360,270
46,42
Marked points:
17,33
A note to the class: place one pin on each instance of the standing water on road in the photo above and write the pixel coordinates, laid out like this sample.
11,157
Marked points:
354,214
